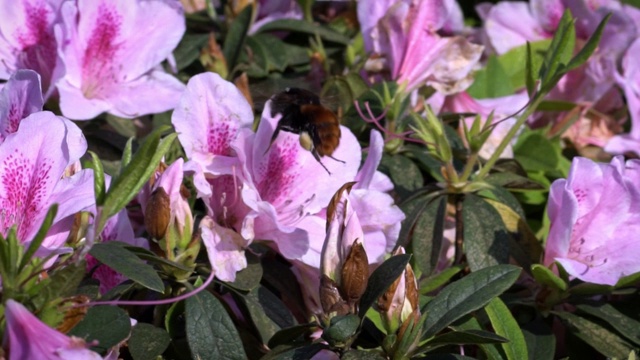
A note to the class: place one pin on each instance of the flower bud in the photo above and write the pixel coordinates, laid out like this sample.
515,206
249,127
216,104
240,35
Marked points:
355,273
400,300
158,213
330,298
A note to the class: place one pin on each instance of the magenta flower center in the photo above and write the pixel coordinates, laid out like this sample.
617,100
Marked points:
25,193
99,68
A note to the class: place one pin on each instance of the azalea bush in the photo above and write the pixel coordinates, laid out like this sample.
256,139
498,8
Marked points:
466,185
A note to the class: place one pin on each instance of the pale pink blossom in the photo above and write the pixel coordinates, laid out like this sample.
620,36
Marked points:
27,39
20,97
595,220
26,337
32,162
113,55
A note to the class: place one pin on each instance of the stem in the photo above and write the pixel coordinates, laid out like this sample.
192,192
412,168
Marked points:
452,174
507,139
459,231
468,167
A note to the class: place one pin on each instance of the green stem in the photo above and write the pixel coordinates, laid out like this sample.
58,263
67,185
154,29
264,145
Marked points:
507,139
468,168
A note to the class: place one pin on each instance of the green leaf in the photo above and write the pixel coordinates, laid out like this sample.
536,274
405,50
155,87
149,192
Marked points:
127,264
543,275
433,282
268,313
541,342
126,155
304,27
248,278
147,342
626,326
210,331
39,238
600,338
464,337
589,47
491,82
341,329
424,230
109,325
466,295
536,153
284,352
62,283
291,334
98,178
126,186
559,53
380,280
188,50
486,240
470,323
362,355
236,37
513,182
404,173
629,280
505,325
529,77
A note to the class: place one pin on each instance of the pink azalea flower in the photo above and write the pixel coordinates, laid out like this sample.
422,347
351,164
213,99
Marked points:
269,11
404,33
113,55
32,162
595,220
19,97
27,39
629,81
225,248
26,337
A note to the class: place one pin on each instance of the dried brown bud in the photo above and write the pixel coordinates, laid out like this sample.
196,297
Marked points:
74,315
411,285
384,302
355,273
330,297
159,170
335,200
158,213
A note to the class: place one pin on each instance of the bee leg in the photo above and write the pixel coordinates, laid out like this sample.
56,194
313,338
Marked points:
338,160
273,138
317,157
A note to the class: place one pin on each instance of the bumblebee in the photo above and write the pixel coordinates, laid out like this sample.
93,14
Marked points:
303,114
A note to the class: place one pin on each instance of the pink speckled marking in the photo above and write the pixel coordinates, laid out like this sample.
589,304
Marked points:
25,197
280,172
15,114
219,137
99,68
37,41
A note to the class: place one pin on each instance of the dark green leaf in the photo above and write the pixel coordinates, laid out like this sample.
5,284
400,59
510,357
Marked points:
62,283
380,280
109,325
267,312
465,337
147,342
556,105
236,37
589,47
98,178
467,323
600,338
426,235
127,264
210,331
38,239
404,173
291,335
541,342
504,324
626,326
341,329
304,27
433,282
543,275
466,295
283,352
188,50
628,280
513,182
491,82
346,89
427,162
362,355
529,77
151,257
126,186
486,240
249,277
